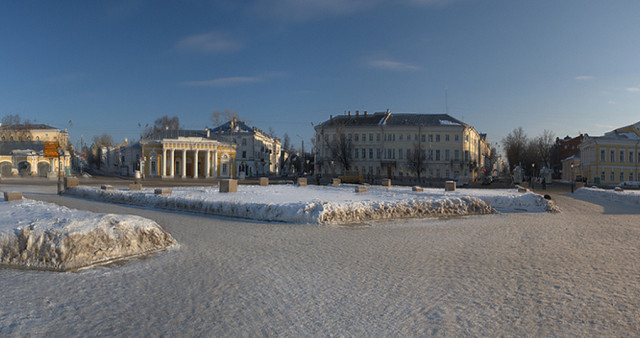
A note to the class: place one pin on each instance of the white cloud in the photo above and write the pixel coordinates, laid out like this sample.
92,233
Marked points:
224,81
392,65
633,89
584,77
612,102
212,42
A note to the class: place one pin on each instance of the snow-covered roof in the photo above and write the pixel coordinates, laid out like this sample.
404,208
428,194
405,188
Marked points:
235,126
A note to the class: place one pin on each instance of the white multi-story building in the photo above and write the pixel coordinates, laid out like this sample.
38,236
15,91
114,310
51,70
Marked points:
385,145
256,154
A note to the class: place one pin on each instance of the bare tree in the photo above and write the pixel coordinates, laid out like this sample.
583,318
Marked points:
219,116
340,148
99,141
543,144
286,142
417,160
162,123
11,120
515,146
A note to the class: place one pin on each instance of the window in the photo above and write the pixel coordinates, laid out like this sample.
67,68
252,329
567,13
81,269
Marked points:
613,176
621,156
631,157
456,154
408,137
466,155
430,137
457,138
370,137
602,176
621,176
244,154
446,156
364,137
612,157
364,153
437,137
349,137
389,154
438,156
423,138
370,154
446,139
393,136
602,156
631,176
244,141
430,155
400,157
357,137
378,153
399,137
356,153
378,137
446,173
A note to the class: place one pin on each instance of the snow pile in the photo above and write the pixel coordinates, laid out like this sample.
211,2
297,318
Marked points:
626,196
316,204
41,235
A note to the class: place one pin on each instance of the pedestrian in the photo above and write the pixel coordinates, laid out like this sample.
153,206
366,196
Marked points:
544,184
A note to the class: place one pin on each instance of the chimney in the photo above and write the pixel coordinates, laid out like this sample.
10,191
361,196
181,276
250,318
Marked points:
357,113
365,113
208,132
349,112
330,117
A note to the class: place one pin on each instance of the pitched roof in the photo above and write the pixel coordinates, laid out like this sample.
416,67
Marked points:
233,126
393,119
25,126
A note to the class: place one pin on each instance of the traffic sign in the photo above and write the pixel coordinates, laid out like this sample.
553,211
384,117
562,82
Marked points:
51,149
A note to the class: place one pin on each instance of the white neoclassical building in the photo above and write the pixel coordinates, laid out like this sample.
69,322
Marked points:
381,145
175,154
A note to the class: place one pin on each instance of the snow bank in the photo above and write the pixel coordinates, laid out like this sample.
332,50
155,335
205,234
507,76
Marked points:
626,196
39,235
320,204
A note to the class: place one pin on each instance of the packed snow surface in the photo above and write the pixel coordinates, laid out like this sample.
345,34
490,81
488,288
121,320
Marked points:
327,204
41,235
625,196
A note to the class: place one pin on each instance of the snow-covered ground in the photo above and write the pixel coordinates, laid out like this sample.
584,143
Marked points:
39,235
574,273
625,196
326,204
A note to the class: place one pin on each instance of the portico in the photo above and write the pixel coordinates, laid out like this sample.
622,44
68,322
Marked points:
192,157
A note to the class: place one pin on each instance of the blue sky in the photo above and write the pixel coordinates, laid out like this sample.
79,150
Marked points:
106,66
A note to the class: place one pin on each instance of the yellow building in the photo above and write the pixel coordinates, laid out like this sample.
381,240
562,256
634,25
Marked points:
22,151
613,158
34,133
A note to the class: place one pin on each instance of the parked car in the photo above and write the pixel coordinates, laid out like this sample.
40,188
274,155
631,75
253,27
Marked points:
629,184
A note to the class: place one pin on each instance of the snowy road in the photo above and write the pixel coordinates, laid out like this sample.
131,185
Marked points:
526,274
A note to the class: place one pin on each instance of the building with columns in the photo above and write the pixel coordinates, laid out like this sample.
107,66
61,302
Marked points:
176,154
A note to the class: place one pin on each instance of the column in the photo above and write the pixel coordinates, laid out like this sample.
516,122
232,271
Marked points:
195,164
164,162
184,163
207,164
215,164
172,170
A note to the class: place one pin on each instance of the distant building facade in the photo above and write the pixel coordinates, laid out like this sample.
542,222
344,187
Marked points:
257,153
384,145
22,151
562,150
612,158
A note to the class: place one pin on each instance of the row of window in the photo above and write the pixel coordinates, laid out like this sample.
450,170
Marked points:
390,154
620,158
28,138
400,137
612,176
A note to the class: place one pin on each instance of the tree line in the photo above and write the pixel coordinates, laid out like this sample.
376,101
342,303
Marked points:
531,154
